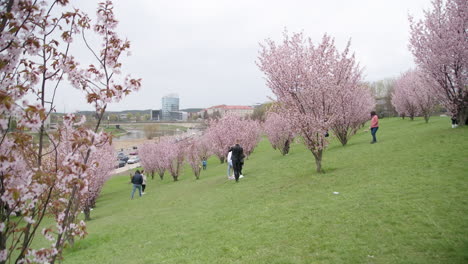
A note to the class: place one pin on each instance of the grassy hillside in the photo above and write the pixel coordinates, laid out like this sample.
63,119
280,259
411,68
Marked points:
402,200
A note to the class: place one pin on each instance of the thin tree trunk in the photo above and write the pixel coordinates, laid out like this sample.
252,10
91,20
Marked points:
462,118
318,161
286,147
87,213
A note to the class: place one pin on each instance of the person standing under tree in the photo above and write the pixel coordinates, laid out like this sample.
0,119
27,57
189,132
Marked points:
236,157
374,126
137,181
454,121
204,163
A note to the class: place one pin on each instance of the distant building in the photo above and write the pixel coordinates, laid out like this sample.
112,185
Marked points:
239,110
170,103
156,115
178,116
170,110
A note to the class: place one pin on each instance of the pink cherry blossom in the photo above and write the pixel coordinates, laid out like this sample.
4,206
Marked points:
439,44
307,79
279,132
413,96
59,174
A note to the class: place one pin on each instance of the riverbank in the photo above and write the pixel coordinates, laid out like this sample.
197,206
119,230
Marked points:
130,143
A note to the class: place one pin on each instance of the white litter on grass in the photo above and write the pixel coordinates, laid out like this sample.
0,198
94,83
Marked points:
336,193
370,256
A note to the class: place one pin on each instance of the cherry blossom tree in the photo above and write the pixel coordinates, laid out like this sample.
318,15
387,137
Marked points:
413,86
306,78
30,60
40,180
223,133
439,44
100,85
148,156
220,134
279,132
354,103
194,155
248,134
153,157
175,152
100,170
401,97
204,146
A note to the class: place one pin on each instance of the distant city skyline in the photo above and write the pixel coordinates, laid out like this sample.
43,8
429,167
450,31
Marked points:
205,51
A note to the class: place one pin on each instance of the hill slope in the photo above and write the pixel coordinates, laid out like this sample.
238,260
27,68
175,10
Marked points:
402,200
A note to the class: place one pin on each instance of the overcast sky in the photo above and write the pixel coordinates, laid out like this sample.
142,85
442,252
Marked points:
205,50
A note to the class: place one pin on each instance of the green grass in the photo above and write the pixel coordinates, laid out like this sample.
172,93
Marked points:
116,132
402,200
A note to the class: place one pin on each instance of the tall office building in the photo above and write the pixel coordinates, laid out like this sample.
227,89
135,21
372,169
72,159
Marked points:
170,103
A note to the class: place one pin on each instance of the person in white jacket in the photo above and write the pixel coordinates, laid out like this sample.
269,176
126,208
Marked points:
143,186
229,162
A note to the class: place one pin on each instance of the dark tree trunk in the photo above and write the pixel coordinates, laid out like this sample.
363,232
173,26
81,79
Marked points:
87,213
318,161
286,147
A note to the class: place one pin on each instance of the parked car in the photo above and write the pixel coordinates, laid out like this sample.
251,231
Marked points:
134,153
120,163
122,156
133,160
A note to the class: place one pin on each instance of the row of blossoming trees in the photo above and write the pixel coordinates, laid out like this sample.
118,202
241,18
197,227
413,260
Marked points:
439,44
169,154
318,89
54,175
319,92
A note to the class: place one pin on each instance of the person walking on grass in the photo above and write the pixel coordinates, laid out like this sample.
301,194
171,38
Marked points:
374,126
143,185
229,163
137,181
236,157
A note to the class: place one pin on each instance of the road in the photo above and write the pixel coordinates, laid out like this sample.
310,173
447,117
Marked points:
125,168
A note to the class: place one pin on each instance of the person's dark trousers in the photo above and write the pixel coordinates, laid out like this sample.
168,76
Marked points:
373,132
143,187
236,164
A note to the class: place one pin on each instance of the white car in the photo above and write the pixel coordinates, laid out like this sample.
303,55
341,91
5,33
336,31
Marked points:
133,160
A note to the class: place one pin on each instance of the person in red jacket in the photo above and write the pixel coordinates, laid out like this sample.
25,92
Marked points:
374,126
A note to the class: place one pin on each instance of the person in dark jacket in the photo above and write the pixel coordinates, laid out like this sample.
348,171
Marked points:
236,157
137,181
